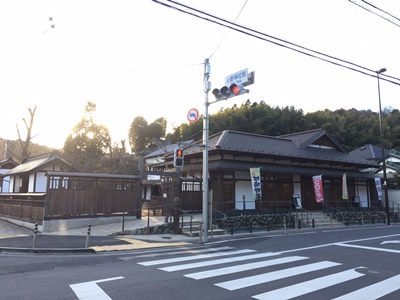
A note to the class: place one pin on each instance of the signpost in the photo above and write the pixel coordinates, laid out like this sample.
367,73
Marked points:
239,78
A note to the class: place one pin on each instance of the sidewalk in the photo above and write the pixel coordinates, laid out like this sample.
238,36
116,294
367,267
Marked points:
14,238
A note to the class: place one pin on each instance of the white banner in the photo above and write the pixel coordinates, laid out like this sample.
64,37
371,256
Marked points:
256,183
345,195
378,187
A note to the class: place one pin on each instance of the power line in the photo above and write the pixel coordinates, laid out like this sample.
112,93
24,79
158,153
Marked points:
227,32
276,41
379,9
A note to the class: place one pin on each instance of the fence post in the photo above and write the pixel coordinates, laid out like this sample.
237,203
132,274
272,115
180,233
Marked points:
201,233
176,215
284,225
89,227
123,221
35,231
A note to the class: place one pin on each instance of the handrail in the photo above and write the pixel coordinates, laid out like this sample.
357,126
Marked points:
302,209
191,219
393,204
325,206
220,212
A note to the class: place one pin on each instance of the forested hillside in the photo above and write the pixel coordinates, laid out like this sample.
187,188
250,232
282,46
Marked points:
13,149
352,128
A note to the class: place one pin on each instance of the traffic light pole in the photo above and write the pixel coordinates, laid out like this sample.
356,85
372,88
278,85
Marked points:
205,206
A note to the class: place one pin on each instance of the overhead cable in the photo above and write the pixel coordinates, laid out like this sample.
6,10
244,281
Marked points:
379,9
274,40
226,34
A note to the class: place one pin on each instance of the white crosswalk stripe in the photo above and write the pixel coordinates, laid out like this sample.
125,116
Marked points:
245,267
306,287
216,262
374,291
283,269
271,276
194,257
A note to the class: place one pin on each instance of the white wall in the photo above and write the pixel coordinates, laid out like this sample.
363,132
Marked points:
297,186
394,196
363,194
15,184
41,182
31,183
244,188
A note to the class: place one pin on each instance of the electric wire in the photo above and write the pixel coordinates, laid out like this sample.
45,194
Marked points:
376,7
227,32
277,41
371,11
280,40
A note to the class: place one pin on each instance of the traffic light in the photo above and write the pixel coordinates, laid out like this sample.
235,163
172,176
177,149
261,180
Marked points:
226,93
178,158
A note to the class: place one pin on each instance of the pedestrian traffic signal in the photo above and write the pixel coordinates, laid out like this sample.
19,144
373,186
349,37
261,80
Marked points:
226,93
178,158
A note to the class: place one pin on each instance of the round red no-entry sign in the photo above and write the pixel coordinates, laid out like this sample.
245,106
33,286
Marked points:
193,115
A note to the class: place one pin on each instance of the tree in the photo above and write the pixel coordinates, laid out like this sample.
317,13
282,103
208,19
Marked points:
25,152
88,142
141,134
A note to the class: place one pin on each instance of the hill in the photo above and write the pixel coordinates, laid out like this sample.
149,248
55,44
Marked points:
13,149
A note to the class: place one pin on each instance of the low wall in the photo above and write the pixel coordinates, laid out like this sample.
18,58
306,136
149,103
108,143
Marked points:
66,224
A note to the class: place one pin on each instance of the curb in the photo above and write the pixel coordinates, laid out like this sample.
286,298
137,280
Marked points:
48,250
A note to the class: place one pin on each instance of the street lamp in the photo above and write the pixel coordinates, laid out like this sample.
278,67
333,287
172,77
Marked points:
383,150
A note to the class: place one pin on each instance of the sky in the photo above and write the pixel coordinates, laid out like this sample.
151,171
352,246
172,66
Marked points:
139,58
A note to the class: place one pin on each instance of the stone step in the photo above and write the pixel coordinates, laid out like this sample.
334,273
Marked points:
196,233
322,220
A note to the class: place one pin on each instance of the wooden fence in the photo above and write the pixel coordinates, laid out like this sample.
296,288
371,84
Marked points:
80,195
23,206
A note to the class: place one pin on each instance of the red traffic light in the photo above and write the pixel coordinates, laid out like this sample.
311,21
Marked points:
178,158
226,93
179,153
235,89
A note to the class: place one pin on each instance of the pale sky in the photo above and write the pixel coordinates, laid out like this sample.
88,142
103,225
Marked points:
138,58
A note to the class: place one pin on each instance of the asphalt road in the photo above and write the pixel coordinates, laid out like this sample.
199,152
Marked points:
360,263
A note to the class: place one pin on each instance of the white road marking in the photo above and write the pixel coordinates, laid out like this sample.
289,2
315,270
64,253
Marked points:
374,291
194,257
90,290
271,276
216,262
306,287
245,267
367,248
390,242
182,251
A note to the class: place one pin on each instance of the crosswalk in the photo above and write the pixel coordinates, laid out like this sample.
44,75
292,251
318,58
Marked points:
221,264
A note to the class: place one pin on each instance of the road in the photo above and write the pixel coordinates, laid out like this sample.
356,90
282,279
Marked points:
349,263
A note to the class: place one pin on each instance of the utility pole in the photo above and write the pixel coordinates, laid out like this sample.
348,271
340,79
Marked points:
205,204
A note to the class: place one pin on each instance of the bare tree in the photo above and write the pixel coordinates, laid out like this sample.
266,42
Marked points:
28,125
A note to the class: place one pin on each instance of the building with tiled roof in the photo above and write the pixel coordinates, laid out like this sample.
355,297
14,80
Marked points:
287,165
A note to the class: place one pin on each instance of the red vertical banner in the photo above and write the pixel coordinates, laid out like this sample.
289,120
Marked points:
318,189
